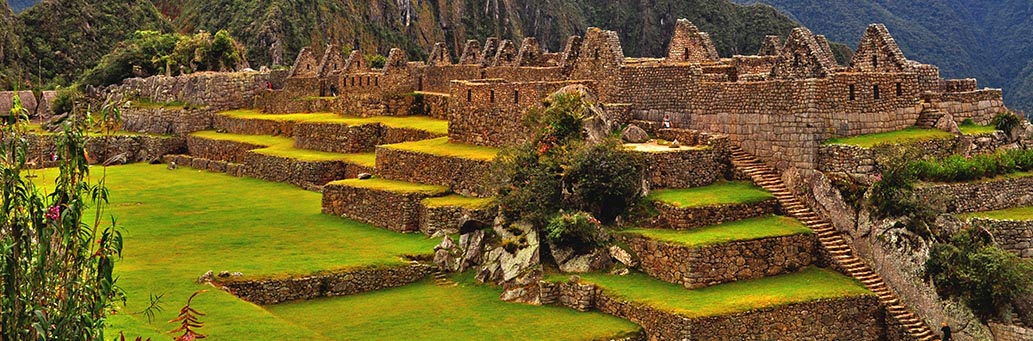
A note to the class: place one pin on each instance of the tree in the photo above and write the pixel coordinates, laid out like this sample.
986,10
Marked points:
58,250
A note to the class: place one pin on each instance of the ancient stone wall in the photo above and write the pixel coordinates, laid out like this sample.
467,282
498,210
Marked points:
525,74
599,59
685,167
245,126
217,166
120,149
980,105
1011,235
396,211
689,45
230,151
302,173
218,90
277,290
448,219
438,79
959,85
465,176
491,112
338,138
979,196
682,218
847,159
167,120
1008,332
658,87
697,267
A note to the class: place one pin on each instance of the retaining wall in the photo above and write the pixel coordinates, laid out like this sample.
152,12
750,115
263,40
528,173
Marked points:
464,176
682,218
986,195
272,291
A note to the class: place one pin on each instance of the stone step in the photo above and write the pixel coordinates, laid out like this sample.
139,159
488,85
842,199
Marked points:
394,205
687,208
448,214
460,167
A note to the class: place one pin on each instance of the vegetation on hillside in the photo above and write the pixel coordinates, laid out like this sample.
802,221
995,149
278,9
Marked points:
148,53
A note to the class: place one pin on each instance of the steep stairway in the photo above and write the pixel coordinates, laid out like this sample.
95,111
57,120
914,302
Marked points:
766,177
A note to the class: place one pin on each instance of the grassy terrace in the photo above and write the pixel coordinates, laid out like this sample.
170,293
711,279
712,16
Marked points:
1013,175
393,186
807,285
456,200
284,147
972,129
734,192
748,229
432,312
179,224
441,147
424,123
1017,213
893,137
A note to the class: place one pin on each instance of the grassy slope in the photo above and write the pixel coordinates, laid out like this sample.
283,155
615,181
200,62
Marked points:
899,136
1017,213
976,129
433,312
179,224
748,229
737,192
459,201
806,285
424,123
392,186
441,147
284,147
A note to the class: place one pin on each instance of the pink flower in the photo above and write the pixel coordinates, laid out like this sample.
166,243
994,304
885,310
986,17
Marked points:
54,212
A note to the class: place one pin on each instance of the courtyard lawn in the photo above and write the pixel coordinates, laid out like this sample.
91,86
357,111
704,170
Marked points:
441,147
893,137
748,229
807,285
427,311
734,192
425,123
395,186
180,223
1017,213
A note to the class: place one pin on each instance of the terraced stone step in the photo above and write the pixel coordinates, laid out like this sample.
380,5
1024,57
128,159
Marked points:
448,214
461,167
734,251
274,158
686,208
390,204
817,304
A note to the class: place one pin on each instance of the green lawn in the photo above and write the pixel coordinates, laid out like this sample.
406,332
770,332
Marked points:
1017,213
976,129
911,134
179,224
426,311
457,200
725,192
441,147
284,147
425,123
393,186
748,229
806,285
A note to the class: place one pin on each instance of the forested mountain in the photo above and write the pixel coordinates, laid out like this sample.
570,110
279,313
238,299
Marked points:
988,40
63,38
20,5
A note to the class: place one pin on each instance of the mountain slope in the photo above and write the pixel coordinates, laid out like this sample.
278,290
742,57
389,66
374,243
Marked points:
988,40
20,5
10,45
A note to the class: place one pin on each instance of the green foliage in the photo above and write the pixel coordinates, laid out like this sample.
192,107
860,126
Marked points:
605,179
376,61
148,53
65,100
961,168
892,195
578,229
971,268
1006,122
57,264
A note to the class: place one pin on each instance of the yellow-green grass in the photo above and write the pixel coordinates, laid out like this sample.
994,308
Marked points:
911,134
179,224
149,104
725,192
284,147
748,229
425,123
395,186
456,200
426,311
972,129
441,147
1017,213
809,284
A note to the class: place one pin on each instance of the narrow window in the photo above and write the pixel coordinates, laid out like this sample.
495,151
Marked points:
367,80
796,60
469,95
875,62
852,96
491,96
376,81
352,81
516,96
900,91
875,91
685,55
419,84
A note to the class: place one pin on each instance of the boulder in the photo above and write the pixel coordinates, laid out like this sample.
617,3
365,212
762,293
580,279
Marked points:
596,260
633,134
623,256
947,123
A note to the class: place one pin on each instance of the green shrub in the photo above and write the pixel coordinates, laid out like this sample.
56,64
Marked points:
968,122
988,279
151,53
605,179
1006,121
65,100
578,229
376,61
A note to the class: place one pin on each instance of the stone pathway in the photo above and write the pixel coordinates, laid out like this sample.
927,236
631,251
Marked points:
769,179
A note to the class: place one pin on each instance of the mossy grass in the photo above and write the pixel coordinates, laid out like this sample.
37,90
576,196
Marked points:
145,103
442,147
809,284
456,200
748,229
468,311
284,147
724,192
1016,213
393,186
972,129
178,224
424,123
912,134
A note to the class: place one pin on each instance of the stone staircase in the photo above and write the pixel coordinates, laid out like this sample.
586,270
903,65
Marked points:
766,177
